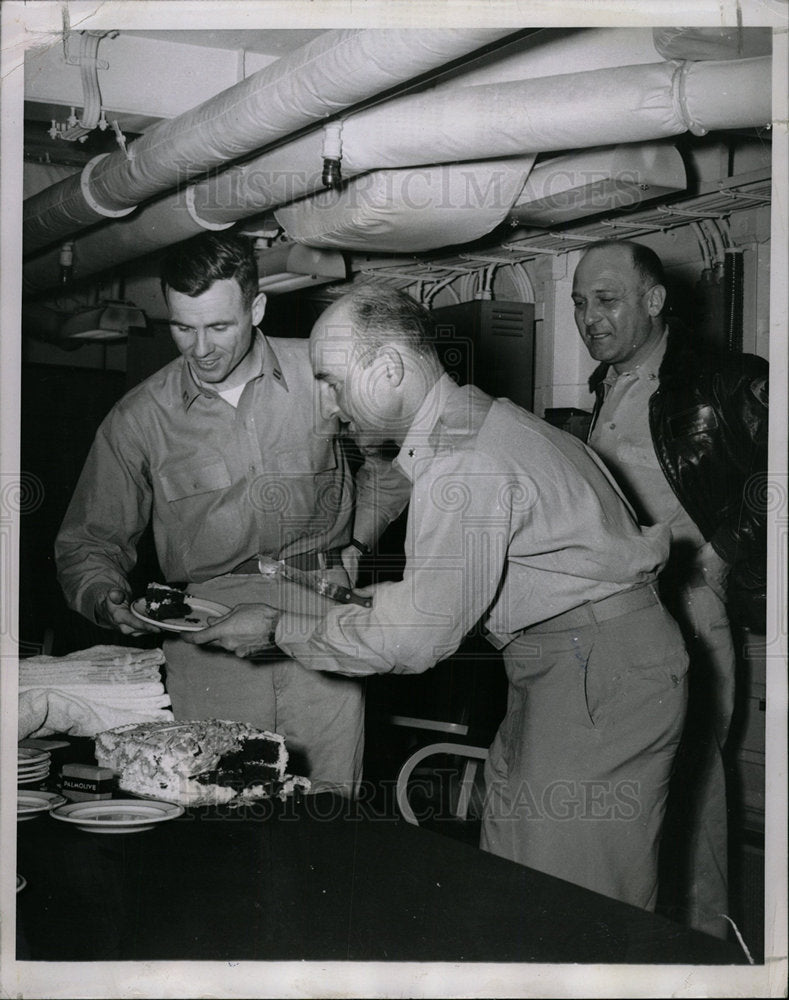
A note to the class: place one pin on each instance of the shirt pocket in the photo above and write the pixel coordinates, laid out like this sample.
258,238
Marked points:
203,519
194,479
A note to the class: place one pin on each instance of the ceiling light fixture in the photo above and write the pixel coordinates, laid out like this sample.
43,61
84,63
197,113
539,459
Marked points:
104,322
289,267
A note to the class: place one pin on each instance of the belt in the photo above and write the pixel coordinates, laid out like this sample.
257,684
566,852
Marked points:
306,561
595,612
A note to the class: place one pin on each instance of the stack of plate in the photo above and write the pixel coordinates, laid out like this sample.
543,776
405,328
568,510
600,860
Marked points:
30,804
32,766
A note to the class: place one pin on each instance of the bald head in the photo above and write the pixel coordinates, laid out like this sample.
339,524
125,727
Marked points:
619,294
373,355
641,258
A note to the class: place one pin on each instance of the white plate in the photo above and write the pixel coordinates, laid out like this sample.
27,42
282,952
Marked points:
197,620
26,756
21,882
117,815
30,804
33,775
41,745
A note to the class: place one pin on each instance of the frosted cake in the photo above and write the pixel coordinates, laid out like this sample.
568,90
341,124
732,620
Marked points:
205,762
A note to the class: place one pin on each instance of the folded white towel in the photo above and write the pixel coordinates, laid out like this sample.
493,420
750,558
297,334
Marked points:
44,712
99,654
61,676
91,690
99,664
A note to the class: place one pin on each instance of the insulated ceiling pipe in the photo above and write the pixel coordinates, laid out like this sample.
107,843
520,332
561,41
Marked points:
586,49
601,107
576,110
331,73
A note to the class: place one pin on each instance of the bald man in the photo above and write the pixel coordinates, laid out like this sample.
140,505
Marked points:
685,435
515,527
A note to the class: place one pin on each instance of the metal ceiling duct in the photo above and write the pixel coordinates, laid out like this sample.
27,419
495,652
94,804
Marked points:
330,73
577,110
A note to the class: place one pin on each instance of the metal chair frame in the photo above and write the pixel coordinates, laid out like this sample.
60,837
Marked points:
475,755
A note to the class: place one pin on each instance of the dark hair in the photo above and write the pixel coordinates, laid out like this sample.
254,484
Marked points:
383,315
193,266
646,262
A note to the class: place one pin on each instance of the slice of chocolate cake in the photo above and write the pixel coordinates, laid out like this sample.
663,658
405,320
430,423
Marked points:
257,763
163,603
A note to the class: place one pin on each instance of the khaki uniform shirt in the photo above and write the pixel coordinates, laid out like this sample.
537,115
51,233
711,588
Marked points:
511,521
621,437
219,483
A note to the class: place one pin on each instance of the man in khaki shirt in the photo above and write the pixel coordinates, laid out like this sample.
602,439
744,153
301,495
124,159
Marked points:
222,451
515,526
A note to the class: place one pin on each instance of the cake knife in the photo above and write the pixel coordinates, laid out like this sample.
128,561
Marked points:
334,591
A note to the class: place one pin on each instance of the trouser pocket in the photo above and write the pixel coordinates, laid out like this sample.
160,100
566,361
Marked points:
630,667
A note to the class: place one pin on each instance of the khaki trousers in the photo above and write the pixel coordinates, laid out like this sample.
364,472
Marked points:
697,810
578,773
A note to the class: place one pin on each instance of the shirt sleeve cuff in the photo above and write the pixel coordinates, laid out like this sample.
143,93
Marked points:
88,604
295,635
294,630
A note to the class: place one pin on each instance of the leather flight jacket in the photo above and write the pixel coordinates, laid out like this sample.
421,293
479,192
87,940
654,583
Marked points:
708,419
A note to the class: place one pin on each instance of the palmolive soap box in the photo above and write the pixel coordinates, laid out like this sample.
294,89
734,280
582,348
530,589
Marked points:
81,782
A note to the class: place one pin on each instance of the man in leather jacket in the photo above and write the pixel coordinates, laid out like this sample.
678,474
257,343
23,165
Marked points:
684,432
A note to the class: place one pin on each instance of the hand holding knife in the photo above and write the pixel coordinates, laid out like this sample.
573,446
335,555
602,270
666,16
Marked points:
249,628
278,568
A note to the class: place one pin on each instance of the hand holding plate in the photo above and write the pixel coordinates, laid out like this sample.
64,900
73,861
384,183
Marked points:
247,629
113,611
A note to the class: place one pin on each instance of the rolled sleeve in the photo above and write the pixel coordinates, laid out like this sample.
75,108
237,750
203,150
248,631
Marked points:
95,548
